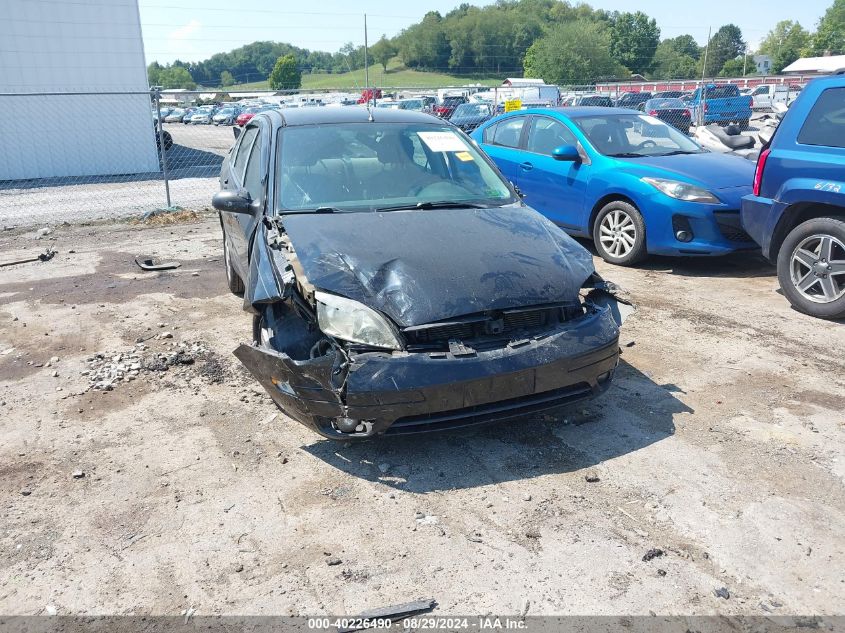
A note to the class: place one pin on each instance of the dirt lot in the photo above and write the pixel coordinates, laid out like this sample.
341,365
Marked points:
720,444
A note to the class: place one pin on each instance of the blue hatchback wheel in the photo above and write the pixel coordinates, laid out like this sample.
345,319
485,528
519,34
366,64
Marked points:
619,233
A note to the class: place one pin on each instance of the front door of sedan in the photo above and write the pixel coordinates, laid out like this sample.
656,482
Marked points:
555,188
501,142
244,174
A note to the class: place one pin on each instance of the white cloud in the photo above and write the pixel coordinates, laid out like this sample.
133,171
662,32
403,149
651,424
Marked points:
184,32
181,42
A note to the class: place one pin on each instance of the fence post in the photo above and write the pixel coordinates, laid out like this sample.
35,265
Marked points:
162,152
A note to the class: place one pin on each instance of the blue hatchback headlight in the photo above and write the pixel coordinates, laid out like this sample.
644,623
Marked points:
681,190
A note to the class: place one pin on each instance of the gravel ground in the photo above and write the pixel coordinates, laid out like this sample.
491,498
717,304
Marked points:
714,461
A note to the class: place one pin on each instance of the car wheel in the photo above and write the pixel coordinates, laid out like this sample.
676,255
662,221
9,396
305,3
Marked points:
619,234
811,268
235,283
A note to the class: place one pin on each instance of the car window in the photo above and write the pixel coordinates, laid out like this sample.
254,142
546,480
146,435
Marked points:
633,135
408,164
507,132
722,92
545,134
243,152
252,175
825,124
761,90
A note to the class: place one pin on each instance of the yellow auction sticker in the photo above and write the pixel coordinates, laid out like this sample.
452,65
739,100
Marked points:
464,156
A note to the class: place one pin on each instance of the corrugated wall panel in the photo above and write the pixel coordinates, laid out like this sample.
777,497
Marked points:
75,46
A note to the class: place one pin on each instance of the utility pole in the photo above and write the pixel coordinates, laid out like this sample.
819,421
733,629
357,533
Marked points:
703,101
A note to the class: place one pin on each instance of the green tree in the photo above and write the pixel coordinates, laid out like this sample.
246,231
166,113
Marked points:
176,77
784,44
383,51
670,62
226,79
154,74
725,45
633,40
735,67
829,37
286,74
685,45
574,53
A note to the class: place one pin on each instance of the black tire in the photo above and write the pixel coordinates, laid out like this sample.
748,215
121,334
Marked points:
168,140
806,233
233,280
637,251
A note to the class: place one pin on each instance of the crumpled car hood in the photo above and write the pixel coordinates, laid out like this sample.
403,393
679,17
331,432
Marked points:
423,266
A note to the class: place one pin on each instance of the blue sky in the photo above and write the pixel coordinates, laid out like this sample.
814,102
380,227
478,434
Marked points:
192,30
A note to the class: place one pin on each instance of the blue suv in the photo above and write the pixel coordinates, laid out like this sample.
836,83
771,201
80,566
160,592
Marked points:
797,210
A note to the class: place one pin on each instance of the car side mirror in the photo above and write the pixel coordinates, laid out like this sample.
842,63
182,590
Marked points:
566,153
233,202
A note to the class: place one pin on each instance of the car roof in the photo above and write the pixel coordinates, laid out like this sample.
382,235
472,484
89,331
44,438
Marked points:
353,114
582,111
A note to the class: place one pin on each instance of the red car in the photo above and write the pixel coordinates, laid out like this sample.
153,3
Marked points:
246,115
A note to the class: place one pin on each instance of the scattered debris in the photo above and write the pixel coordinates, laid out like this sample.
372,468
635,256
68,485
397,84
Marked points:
239,568
151,263
389,613
43,232
722,592
653,553
77,474
661,572
591,476
526,497
331,561
50,610
42,257
532,532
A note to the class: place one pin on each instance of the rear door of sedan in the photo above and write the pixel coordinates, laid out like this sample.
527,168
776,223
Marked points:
502,142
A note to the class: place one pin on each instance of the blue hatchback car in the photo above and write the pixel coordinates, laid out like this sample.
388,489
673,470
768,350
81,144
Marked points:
632,183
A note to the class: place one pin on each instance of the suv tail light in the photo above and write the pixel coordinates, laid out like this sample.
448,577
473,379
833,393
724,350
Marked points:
758,171
751,102
652,112
687,113
706,108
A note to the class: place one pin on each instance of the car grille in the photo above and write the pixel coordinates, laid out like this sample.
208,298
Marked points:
730,227
504,324
502,410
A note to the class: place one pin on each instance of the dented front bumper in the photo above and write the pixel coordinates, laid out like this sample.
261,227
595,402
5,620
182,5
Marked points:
415,392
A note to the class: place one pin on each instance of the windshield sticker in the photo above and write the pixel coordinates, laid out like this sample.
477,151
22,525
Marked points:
464,156
442,141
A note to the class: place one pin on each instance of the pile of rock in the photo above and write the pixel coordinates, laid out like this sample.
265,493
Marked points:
106,370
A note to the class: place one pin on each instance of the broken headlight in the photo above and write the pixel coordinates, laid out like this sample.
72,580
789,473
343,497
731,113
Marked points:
681,190
354,322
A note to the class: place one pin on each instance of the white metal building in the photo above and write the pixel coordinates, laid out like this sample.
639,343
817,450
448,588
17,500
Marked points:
828,65
92,47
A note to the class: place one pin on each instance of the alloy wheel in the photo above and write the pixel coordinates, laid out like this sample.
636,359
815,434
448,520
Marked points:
617,233
817,268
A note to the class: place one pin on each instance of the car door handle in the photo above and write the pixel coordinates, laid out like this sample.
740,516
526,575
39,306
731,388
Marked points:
526,166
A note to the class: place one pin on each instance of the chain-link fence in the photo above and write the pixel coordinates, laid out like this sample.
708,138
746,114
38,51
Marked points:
86,156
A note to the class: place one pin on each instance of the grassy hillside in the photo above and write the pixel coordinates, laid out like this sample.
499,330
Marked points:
397,76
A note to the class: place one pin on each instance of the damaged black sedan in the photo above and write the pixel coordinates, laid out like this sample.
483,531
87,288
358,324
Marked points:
397,282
